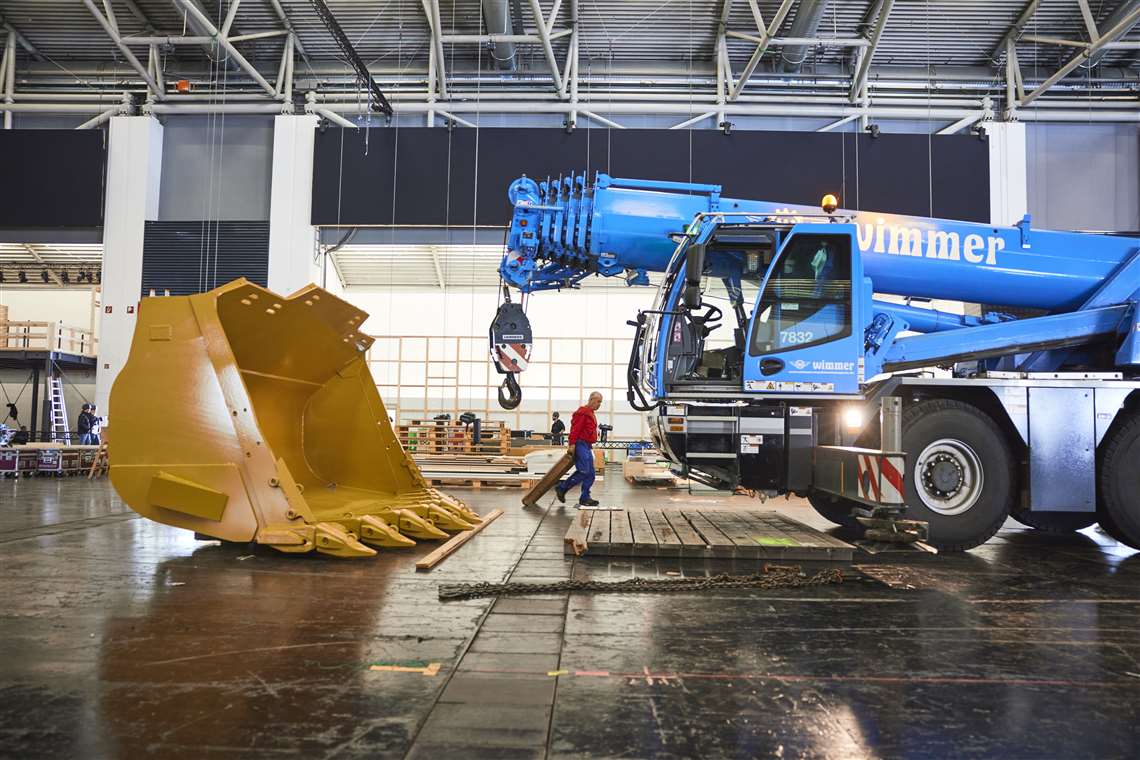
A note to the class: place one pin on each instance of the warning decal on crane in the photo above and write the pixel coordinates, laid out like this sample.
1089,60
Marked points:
880,479
513,356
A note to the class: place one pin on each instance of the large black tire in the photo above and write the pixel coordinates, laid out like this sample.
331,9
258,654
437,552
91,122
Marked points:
1054,523
1118,482
966,470
835,509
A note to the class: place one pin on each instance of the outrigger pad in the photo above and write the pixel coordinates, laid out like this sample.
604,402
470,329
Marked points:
246,416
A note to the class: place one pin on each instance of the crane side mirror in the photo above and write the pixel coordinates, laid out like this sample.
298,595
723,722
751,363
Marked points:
694,270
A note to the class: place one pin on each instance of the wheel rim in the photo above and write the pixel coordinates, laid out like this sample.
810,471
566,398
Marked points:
948,476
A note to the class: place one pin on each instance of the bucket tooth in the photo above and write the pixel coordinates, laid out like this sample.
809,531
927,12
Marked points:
335,540
465,513
375,531
446,518
450,502
411,524
288,539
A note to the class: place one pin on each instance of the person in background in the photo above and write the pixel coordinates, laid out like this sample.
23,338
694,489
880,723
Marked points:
583,435
21,436
96,426
84,424
556,430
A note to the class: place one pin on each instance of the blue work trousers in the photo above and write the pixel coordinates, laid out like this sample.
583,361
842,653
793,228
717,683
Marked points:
583,470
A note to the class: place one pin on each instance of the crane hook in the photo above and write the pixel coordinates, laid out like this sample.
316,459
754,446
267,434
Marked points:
513,396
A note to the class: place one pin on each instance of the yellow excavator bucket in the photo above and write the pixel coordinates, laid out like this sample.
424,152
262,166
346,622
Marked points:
246,416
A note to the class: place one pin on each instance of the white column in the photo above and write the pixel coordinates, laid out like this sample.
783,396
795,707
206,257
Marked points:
1009,186
292,239
134,171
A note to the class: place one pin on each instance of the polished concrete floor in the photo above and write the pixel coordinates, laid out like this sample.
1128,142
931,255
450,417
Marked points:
123,638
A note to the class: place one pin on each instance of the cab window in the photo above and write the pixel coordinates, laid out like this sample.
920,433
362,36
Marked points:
807,299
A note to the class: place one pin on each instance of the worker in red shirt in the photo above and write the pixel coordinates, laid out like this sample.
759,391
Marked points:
583,434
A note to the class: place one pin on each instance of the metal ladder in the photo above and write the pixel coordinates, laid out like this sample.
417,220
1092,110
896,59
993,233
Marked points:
59,425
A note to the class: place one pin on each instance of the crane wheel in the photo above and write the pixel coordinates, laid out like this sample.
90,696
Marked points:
834,509
960,472
1054,523
1118,481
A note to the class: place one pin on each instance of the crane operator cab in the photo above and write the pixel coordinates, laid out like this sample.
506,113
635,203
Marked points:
748,352
761,308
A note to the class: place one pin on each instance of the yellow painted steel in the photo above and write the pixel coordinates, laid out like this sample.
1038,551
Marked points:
246,416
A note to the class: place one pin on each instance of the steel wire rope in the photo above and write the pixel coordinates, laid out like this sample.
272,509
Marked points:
929,120
474,221
689,87
390,265
209,118
217,174
215,132
842,133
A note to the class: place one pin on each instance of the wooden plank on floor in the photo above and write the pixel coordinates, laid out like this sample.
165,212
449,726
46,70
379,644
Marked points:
692,544
668,542
621,535
783,538
767,531
644,540
443,552
719,545
730,524
599,541
577,538
836,548
802,542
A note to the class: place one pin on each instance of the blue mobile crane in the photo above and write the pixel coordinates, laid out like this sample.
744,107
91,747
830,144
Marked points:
837,377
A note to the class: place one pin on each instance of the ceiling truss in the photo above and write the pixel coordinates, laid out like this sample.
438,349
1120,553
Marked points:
856,85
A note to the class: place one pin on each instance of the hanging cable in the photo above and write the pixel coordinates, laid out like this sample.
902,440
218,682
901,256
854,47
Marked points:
929,120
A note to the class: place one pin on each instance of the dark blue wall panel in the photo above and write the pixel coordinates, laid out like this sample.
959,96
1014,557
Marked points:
52,177
420,176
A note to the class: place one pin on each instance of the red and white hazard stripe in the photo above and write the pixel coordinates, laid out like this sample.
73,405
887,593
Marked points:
868,477
891,482
513,356
880,478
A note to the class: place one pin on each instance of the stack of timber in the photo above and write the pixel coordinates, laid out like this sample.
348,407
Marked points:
450,437
474,470
646,467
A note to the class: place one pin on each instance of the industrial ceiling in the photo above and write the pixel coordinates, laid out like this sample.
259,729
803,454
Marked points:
391,34
448,57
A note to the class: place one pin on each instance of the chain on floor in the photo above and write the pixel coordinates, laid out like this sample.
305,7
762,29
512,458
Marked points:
772,577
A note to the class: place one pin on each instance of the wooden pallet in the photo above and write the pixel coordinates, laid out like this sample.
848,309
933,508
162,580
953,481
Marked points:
707,533
470,463
450,437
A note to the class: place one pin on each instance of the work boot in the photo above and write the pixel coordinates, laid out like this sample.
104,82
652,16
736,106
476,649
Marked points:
587,502
560,494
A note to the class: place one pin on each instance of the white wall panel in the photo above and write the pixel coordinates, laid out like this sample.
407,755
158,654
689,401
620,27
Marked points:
1084,176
